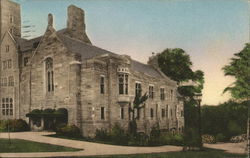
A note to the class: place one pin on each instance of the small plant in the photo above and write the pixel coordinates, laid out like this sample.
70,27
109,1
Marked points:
16,125
102,135
118,135
220,137
69,131
155,135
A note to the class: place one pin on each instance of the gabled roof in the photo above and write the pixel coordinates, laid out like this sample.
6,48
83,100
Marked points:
27,45
87,51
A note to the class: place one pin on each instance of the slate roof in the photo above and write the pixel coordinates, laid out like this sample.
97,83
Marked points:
87,51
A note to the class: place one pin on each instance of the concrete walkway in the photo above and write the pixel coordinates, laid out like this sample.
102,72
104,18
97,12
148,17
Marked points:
237,148
88,148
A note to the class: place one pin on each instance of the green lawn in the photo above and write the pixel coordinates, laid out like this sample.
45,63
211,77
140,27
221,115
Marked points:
208,153
18,145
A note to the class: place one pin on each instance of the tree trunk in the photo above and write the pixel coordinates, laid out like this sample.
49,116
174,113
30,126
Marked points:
248,129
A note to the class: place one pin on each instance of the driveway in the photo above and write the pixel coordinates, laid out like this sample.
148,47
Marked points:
88,148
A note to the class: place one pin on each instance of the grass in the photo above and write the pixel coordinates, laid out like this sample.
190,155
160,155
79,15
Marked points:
207,153
18,145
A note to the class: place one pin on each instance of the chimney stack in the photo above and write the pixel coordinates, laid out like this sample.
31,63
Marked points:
75,25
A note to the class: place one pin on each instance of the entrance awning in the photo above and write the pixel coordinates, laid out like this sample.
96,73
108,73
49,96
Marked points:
52,113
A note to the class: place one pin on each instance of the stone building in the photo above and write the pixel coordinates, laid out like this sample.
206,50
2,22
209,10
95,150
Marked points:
63,69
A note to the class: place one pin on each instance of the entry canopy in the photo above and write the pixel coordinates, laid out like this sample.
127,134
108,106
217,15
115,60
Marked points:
61,112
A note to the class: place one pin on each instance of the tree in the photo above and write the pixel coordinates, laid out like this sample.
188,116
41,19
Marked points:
239,68
138,104
176,64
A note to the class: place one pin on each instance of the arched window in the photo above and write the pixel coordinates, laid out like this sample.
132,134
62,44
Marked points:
49,74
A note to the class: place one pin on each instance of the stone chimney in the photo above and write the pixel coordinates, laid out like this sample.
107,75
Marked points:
153,60
76,25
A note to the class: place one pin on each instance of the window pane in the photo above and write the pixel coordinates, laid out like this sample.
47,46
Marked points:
11,111
102,113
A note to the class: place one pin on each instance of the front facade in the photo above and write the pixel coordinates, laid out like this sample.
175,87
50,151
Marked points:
62,69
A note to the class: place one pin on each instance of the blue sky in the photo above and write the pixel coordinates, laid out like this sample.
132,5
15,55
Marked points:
210,31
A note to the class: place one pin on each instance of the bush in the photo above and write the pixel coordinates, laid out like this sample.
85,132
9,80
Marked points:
16,125
155,135
69,131
170,139
118,135
220,137
208,139
102,135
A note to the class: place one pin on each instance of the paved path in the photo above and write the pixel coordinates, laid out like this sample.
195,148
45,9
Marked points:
237,148
88,147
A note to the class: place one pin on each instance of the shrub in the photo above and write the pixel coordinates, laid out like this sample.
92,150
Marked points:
118,135
102,135
16,125
170,139
140,139
155,134
220,137
70,131
19,125
208,139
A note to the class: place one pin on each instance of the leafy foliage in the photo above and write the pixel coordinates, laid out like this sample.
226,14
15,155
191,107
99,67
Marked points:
239,68
176,64
225,120
69,131
137,106
15,125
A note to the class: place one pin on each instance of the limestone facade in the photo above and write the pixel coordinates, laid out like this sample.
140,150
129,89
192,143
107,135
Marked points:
62,69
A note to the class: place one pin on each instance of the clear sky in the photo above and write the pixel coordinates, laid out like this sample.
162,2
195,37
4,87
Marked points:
210,31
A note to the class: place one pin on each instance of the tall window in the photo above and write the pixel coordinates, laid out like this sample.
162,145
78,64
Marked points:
25,61
7,48
50,74
9,63
163,113
138,89
151,92
4,65
11,19
122,113
182,113
102,113
162,91
171,94
123,83
11,81
102,85
167,111
151,112
5,82
7,106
